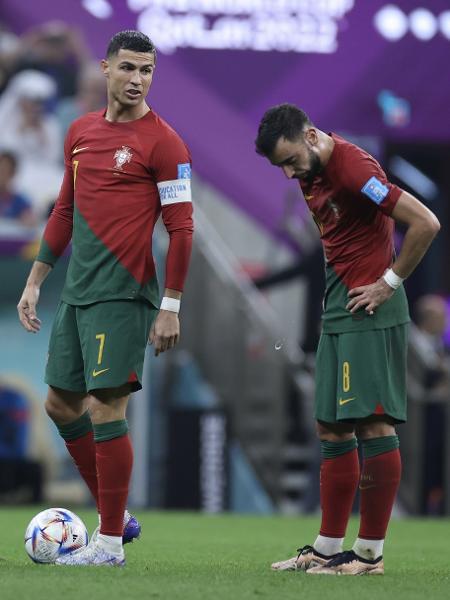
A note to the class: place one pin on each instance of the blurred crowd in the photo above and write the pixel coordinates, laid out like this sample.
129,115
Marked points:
47,79
429,389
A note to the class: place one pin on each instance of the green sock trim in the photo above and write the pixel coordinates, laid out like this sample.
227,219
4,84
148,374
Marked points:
76,429
333,449
108,431
380,445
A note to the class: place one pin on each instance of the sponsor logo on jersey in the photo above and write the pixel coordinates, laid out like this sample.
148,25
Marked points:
176,190
96,373
122,157
76,150
375,190
343,401
184,171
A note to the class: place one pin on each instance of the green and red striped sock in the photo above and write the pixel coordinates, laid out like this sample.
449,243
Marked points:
339,476
79,440
114,456
380,479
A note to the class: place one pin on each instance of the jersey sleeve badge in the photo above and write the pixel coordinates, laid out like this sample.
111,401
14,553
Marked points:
375,190
184,171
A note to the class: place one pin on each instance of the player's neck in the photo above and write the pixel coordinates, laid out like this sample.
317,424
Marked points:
326,145
117,113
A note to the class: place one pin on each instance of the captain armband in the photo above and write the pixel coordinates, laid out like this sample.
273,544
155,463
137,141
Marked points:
174,191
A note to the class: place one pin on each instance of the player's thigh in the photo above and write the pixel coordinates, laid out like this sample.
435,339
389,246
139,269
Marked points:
114,337
372,374
326,378
375,426
335,432
65,368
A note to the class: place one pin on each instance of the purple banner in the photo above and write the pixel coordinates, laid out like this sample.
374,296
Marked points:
365,68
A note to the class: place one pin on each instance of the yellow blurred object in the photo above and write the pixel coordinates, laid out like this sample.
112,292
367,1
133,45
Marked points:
30,250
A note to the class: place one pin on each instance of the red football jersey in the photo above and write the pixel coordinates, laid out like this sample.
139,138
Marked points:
119,177
351,202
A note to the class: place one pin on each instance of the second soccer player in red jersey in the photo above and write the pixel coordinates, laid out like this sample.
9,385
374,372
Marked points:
124,166
361,359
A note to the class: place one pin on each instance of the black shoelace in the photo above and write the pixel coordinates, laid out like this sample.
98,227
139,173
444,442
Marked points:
347,557
341,558
305,550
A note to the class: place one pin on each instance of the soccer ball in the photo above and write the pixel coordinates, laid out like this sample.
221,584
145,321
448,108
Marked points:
53,533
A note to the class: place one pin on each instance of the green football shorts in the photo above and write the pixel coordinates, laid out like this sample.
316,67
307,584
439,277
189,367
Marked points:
99,345
359,374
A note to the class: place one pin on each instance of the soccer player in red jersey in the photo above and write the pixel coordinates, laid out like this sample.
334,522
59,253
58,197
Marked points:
124,166
361,358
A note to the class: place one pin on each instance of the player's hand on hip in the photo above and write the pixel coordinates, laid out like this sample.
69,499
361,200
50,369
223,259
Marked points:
369,297
165,331
27,309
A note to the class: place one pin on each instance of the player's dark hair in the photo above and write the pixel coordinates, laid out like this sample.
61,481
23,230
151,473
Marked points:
284,120
130,40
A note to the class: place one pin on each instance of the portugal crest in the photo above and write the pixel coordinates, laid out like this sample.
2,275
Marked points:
122,156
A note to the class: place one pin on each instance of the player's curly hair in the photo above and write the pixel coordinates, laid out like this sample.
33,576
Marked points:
283,120
130,40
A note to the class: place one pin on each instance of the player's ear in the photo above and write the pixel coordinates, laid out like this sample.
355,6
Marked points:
105,67
311,136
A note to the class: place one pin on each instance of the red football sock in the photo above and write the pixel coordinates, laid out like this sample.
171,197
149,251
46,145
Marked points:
380,479
339,478
114,465
82,450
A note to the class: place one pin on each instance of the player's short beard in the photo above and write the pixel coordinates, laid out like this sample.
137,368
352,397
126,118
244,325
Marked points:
315,166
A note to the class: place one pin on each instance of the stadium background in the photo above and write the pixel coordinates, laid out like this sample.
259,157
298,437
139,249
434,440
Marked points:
224,422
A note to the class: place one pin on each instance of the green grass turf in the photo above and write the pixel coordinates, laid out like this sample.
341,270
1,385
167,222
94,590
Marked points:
189,556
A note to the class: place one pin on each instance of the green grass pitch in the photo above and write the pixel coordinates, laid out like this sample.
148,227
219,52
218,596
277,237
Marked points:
189,556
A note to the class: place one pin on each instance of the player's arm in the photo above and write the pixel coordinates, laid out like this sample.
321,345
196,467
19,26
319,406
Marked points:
56,237
30,296
422,226
174,186
366,180
165,331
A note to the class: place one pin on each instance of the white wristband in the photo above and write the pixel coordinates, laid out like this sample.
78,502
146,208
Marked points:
392,279
172,304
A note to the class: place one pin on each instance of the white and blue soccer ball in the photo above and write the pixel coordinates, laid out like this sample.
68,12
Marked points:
53,533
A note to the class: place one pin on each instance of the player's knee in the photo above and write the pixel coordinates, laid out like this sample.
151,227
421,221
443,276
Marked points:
64,407
109,404
99,410
56,410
